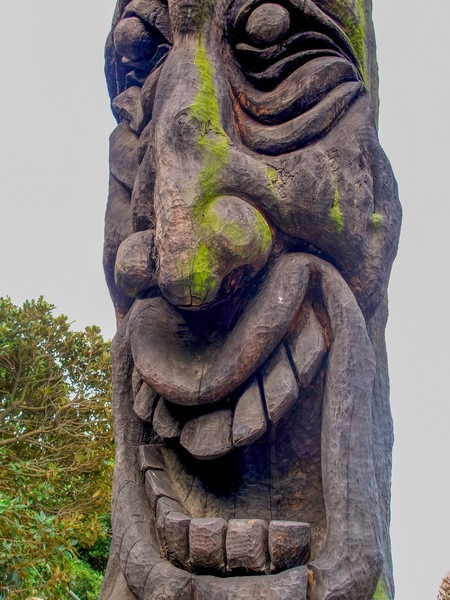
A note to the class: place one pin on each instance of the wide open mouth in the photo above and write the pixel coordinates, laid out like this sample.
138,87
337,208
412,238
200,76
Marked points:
210,430
267,496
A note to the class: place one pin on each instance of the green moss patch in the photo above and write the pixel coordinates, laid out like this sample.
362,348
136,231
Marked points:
376,219
272,178
203,278
356,31
212,139
381,592
254,235
336,213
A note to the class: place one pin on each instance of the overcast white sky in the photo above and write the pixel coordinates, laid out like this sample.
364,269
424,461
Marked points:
55,124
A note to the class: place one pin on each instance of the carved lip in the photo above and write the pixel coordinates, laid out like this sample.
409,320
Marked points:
209,431
162,345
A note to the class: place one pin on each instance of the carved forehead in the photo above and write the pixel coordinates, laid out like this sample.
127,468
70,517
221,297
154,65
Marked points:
347,12
353,17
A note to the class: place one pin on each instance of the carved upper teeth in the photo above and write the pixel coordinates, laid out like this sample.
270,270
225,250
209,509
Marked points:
271,392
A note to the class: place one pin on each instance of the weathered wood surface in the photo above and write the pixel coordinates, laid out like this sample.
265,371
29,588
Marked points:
289,544
249,421
145,402
251,226
177,539
246,546
207,545
164,423
280,386
208,436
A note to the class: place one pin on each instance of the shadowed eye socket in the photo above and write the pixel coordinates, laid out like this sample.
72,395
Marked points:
142,38
294,73
270,40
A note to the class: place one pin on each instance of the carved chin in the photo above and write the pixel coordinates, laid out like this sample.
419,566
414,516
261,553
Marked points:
254,462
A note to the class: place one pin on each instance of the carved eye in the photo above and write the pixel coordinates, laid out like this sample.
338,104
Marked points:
132,39
271,40
142,38
294,70
268,24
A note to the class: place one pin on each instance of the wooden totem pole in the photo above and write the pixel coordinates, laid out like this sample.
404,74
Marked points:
251,226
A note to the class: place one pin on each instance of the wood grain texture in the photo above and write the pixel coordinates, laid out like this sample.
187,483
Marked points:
246,545
208,436
280,386
177,539
164,506
289,544
291,585
249,422
164,424
150,457
207,545
157,485
308,347
144,402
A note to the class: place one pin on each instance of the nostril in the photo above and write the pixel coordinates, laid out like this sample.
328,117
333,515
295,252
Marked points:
134,271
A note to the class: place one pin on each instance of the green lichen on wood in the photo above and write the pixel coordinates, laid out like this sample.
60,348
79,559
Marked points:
376,219
256,234
214,144
272,178
381,592
355,30
263,231
203,279
204,8
336,213
212,139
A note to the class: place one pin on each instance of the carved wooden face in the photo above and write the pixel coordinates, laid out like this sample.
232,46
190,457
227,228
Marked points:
251,226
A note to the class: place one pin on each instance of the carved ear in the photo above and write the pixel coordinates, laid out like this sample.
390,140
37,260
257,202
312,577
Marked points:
115,71
117,228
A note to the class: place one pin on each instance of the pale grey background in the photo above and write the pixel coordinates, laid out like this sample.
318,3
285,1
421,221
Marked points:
53,172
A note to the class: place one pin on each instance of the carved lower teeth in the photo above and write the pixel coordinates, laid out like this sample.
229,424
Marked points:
177,539
246,545
207,545
213,545
165,506
289,544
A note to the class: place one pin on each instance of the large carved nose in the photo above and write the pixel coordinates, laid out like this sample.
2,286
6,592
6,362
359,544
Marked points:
229,234
202,234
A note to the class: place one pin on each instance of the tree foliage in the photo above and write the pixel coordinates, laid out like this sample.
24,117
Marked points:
56,451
